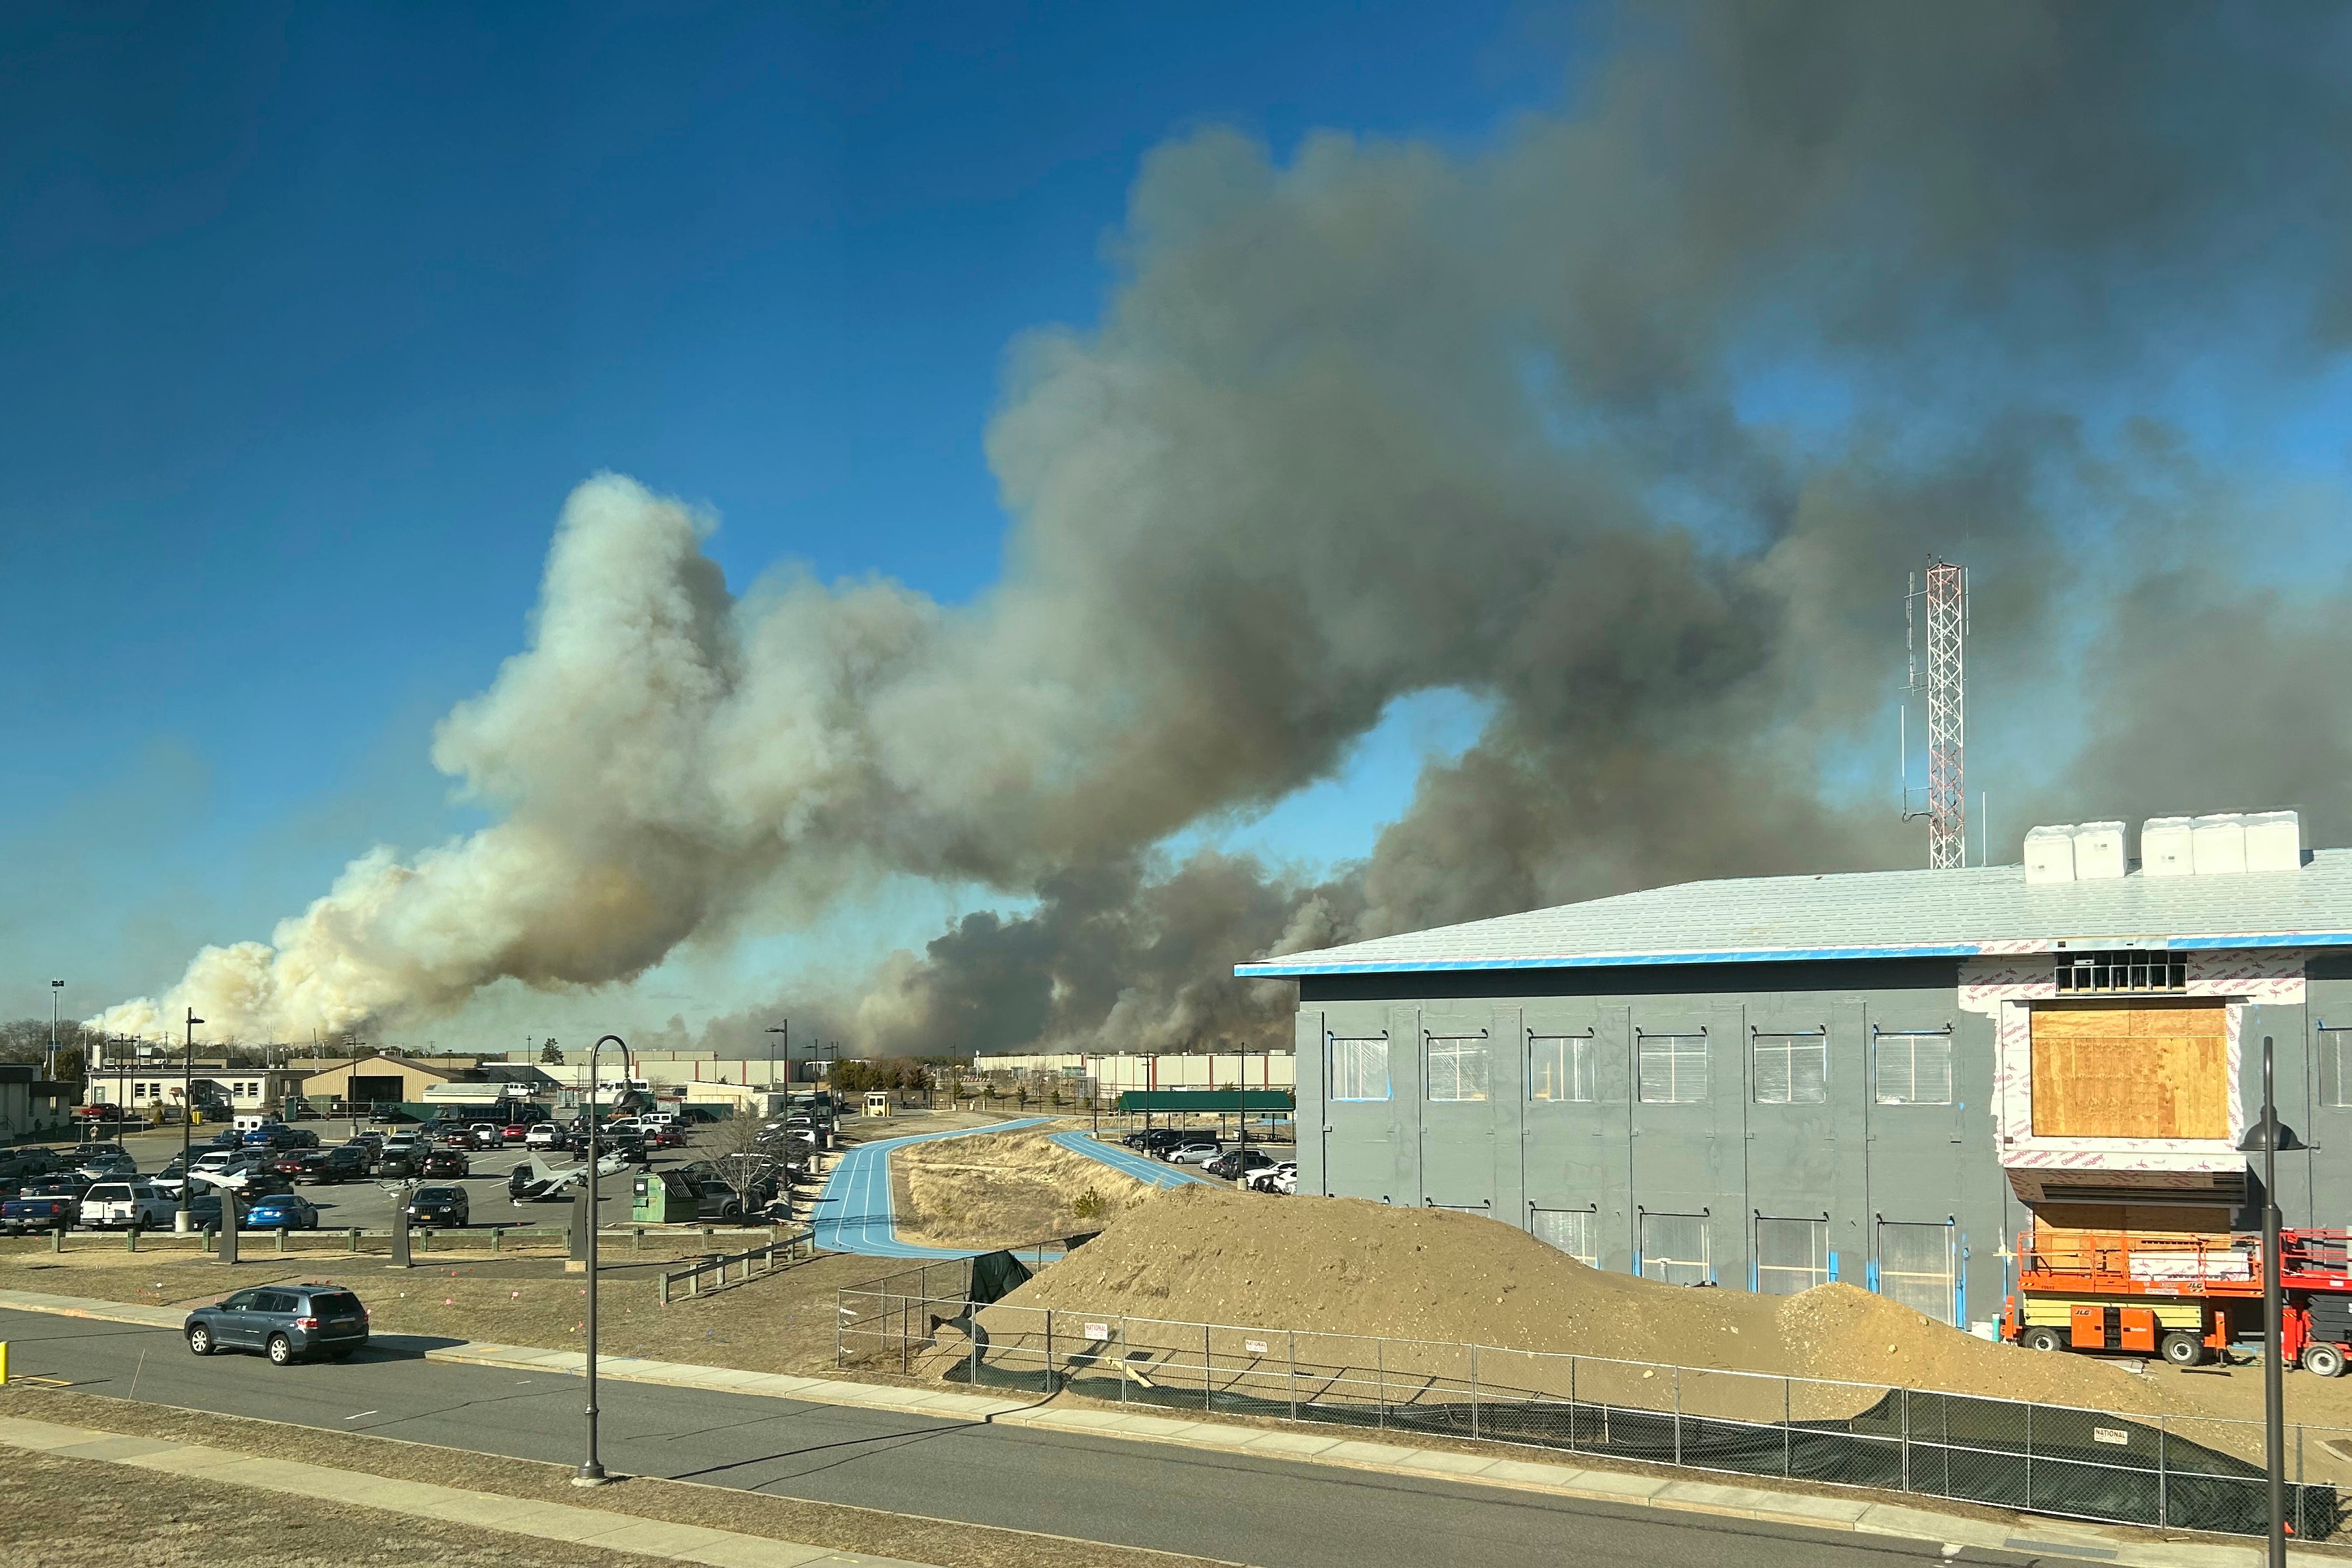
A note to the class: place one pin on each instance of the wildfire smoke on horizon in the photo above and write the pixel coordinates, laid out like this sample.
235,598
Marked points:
1629,425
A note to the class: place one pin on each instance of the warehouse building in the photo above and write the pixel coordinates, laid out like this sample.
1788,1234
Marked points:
1880,1076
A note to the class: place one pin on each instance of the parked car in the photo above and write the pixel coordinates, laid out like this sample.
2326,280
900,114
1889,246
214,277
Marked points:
25,1162
1235,1162
285,1322
1282,1178
1198,1152
228,1138
99,1161
119,1206
286,1162
402,1157
325,1167
1158,1139
32,1210
444,1162
544,1135
268,1135
443,1208
281,1211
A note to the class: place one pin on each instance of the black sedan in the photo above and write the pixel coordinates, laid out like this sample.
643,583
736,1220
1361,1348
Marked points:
441,1208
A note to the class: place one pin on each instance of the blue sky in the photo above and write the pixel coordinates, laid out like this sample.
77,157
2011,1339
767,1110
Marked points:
310,318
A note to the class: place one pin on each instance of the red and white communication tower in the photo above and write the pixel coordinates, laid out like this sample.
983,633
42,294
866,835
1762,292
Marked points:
1944,686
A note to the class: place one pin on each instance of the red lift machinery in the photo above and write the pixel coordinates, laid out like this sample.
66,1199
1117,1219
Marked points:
2181,1297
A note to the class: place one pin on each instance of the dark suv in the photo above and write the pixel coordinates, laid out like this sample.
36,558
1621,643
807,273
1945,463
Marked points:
442,1207
286,1322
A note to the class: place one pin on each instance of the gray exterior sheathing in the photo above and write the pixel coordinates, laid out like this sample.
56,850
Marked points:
1849,1159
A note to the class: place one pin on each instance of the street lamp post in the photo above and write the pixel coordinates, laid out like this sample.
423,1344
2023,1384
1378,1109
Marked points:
184,1222
2270,1137
49,1070
784,1029
592,1471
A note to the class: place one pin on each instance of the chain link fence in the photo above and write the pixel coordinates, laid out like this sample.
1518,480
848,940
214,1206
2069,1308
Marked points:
2171,1472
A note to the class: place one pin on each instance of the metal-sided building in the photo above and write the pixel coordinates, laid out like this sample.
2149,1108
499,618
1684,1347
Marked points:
1877,1077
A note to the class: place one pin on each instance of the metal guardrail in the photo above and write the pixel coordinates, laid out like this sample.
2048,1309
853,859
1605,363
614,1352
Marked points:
797,1248
2167,1471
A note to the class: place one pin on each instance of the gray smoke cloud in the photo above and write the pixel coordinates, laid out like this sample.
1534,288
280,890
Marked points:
1632,425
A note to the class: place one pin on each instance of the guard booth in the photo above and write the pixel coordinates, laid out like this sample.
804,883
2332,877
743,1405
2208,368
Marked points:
877,1103
665,1198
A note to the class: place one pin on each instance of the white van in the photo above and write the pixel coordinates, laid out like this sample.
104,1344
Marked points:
119,1206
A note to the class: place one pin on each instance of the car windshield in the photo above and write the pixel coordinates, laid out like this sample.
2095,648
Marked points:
436,1194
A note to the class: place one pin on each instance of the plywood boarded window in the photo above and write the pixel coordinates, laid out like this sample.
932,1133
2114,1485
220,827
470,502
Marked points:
2131,1072
1918,1266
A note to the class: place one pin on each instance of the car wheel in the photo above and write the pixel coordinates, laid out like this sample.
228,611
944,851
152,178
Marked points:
281,1351
200,1340
2043,1338
2323,1359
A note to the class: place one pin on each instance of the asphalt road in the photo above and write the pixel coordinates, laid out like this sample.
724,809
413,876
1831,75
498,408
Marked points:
1238,1508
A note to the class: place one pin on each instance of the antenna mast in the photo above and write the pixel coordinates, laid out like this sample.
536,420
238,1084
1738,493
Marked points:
1945,686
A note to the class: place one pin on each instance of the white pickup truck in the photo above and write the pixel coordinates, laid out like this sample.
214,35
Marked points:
119,1206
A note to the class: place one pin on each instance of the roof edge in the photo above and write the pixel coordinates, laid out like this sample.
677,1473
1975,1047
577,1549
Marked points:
1278,970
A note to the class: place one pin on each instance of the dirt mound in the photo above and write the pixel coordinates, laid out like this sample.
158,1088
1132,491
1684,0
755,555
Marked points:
1002,1189
1332,1267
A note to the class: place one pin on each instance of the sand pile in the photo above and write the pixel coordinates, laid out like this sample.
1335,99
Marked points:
1004,1189
1330,1266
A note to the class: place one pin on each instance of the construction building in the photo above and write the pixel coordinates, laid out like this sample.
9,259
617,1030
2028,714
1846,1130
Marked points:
1881,1076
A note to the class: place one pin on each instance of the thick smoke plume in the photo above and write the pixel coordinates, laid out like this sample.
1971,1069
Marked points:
1632,425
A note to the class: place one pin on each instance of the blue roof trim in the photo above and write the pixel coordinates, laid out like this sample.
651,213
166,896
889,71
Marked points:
1278,970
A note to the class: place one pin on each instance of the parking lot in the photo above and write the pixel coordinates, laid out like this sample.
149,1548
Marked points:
369,1205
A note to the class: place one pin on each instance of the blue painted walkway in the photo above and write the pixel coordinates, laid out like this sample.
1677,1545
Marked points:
1128,1163
853,1212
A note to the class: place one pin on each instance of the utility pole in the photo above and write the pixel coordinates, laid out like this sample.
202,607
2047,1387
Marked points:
185,1224
49,1069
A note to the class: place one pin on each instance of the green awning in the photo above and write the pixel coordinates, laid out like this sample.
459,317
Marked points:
1206,1102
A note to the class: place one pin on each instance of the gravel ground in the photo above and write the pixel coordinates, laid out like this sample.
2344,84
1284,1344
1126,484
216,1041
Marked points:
946,1543
170,1521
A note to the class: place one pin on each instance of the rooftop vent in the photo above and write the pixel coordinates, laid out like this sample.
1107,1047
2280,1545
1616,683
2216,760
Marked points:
2098,851
2223,844
2049,855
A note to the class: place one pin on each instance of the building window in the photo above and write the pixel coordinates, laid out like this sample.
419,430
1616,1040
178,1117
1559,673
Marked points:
1360,1067
1570,1230
1913,1069
1791,1255
1560,1066
2110,973
1674,1068
1457,1065
1792,1069
1917,1265
1674,1248
2334,1057
138,1091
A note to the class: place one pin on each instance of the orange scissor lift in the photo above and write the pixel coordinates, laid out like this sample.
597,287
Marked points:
2181,1296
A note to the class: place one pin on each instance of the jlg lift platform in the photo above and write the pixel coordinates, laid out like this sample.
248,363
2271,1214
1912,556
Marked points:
2181,1296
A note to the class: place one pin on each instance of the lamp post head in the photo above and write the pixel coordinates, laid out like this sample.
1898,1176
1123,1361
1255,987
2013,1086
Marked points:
2257,1140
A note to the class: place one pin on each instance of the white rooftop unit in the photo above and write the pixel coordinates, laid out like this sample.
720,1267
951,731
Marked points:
2098,851
2273,841
2164,847
2049,855
2218,844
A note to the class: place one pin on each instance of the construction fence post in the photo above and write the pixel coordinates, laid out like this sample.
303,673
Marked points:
1474,1393
2163,1499
661,1289
1380,1379
1049,1352
1906,1439
1208,1395
1294,1375
1785,1414
1678,1416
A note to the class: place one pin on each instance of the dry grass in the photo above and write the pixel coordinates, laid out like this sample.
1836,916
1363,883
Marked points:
83,1513
1003,1190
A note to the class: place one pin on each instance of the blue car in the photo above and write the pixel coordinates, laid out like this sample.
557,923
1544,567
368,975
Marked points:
282,1210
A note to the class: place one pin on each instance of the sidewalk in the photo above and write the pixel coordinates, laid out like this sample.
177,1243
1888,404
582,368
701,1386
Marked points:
1913,1519
479,1511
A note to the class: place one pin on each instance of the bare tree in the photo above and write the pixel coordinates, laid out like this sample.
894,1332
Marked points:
744,1163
